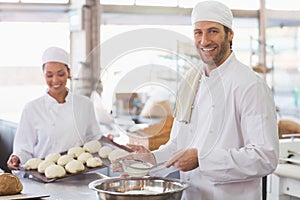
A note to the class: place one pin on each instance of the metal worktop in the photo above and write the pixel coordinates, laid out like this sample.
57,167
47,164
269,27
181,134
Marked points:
70,188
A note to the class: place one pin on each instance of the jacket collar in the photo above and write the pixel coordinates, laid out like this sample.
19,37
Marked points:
223,67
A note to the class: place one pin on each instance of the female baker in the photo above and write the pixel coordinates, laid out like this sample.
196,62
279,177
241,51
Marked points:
56,121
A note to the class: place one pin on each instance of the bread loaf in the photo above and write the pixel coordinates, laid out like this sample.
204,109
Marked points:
287,127
10,184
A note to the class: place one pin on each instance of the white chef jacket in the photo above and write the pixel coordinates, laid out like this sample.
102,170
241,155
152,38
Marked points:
234,128
47,126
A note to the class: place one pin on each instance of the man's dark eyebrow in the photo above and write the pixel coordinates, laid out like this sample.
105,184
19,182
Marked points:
210,28
213,28
197,29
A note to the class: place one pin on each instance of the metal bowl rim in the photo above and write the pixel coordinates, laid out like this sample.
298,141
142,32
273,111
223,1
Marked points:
100,181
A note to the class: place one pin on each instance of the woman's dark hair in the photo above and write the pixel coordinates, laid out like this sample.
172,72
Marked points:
64,64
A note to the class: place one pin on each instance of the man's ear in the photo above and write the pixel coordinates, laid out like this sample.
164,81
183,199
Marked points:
230,35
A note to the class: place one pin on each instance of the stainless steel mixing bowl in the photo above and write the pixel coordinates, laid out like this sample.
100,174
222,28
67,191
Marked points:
138,188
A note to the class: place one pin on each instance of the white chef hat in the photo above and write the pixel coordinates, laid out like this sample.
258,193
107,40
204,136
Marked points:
213,11
56,54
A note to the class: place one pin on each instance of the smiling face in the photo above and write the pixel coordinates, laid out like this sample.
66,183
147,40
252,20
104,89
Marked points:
212,42
56,75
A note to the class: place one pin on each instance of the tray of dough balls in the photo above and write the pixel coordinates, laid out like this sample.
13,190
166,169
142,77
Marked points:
91,156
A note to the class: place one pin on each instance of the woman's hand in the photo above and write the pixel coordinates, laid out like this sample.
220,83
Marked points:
110,137
13,162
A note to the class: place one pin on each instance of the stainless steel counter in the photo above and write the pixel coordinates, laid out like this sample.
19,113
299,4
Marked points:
70,188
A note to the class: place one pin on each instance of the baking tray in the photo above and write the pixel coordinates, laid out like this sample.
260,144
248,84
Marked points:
34,174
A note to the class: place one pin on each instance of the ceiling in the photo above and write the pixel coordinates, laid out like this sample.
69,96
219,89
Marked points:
133,15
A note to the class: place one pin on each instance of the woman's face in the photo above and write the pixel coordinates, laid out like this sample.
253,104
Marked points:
56,75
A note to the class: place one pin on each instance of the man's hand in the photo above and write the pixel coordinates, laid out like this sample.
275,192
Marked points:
138,148
116,165
140,153
185,160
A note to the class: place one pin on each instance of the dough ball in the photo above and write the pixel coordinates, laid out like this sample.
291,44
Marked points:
92,146
55,171
53,157
117,153
74,166
64,159
44,164
10,184
75,151
32,163
84,157
94,162
104,151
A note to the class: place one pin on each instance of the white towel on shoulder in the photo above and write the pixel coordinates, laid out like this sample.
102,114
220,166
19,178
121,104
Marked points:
186,95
